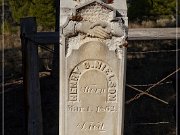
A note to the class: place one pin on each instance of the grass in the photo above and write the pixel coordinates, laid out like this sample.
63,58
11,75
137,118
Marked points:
161,22
13,57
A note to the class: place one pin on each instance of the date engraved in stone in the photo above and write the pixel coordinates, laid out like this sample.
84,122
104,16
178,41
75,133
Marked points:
97,109
91,126
106,109
74,108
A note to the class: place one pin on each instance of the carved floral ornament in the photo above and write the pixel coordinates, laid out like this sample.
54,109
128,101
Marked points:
82,1
95,21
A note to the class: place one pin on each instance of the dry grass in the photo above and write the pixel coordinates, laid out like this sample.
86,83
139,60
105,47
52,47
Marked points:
161,22
11,41
13,57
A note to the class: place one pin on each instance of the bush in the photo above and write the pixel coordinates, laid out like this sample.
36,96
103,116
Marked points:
150,9
43,10
8,28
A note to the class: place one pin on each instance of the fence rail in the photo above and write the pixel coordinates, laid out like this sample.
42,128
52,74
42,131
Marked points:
154,33
134,34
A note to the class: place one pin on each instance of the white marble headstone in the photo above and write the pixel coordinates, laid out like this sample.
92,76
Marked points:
92,67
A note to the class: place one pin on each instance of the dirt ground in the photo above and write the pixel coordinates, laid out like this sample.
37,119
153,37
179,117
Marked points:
145,116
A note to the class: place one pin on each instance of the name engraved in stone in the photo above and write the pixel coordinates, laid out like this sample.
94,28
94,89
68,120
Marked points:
73,84
91,126
88,65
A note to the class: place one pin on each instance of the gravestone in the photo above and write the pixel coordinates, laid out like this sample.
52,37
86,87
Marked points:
92,67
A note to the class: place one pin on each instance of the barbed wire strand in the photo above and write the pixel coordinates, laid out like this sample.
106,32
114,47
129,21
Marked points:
158,51
150,95
146,85
152,123
46,48
8,90
20,60
19,82
52,51
163,79
148,90
42,46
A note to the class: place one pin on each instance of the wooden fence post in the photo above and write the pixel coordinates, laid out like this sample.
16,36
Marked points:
31,77
55,63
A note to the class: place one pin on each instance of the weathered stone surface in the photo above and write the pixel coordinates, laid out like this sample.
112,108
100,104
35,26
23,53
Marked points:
119,5
92,70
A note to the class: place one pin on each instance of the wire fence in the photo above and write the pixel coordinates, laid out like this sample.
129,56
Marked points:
154,51
134,87
146,92
52,51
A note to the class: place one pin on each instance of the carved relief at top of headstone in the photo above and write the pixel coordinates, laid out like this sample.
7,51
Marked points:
117,4
67,6
94,12
94,21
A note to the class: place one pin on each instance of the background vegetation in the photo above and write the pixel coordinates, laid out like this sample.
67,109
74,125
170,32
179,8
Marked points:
152,9
159,12
43,10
